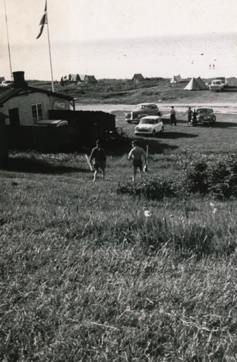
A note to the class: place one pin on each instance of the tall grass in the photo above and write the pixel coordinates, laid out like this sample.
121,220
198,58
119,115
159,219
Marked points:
88,274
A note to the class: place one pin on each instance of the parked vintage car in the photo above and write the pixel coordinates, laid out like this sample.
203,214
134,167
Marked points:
204,116
223,80
142,110
149,125
217,85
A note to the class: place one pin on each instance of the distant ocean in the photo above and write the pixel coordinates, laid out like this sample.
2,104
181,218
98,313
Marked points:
197,55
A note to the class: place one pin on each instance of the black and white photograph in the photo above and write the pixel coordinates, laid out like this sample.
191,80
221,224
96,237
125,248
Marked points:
118,180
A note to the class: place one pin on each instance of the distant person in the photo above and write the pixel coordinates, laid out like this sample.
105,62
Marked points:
138,156
62,82
190,114
172,116
213,66
194,118
98,157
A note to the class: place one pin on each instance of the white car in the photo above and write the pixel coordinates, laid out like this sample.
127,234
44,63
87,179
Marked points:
149,125
217,85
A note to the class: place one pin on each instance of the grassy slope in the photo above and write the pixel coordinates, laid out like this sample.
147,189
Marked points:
85,276
151,90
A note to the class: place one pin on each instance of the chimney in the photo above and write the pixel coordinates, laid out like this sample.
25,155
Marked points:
19,80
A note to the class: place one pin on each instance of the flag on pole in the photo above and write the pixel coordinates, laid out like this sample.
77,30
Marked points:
43,20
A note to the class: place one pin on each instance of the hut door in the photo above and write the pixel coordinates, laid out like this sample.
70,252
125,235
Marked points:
14,117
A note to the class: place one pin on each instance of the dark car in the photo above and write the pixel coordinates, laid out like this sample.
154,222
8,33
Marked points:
142,110
205,116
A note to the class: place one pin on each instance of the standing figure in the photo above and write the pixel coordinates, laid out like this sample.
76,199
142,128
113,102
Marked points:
138,155
190,113
194,118
172,116
98,157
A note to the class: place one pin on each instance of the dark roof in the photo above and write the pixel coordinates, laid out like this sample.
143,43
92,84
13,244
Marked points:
12,92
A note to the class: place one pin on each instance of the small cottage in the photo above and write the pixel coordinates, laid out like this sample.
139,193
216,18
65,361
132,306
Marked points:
25,105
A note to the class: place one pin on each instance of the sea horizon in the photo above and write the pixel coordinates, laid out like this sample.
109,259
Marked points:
205,55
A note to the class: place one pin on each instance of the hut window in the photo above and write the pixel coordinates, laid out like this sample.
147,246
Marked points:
37,112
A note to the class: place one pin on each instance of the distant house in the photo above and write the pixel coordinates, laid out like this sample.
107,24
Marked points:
74,78
25,105
137,78
90,79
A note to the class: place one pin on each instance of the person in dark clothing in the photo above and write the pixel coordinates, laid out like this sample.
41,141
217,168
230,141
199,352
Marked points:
98,157
172,116
194,118
190,114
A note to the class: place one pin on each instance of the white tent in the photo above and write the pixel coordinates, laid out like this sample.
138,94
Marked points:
202,83
195,84
176,79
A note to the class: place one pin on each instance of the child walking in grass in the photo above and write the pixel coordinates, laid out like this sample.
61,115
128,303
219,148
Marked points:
98,157
138,155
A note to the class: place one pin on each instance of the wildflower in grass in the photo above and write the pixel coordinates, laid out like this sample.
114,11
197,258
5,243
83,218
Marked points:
214,209
147,213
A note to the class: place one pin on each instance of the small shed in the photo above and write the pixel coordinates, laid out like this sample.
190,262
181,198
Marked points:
26,105
85,127
137,78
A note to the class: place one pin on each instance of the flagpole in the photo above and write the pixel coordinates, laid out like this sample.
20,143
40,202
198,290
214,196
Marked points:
8,44
50,57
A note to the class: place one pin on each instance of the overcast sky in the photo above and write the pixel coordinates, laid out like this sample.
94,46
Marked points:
99,19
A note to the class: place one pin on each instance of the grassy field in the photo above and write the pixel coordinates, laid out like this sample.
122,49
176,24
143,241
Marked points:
124,91
88,274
